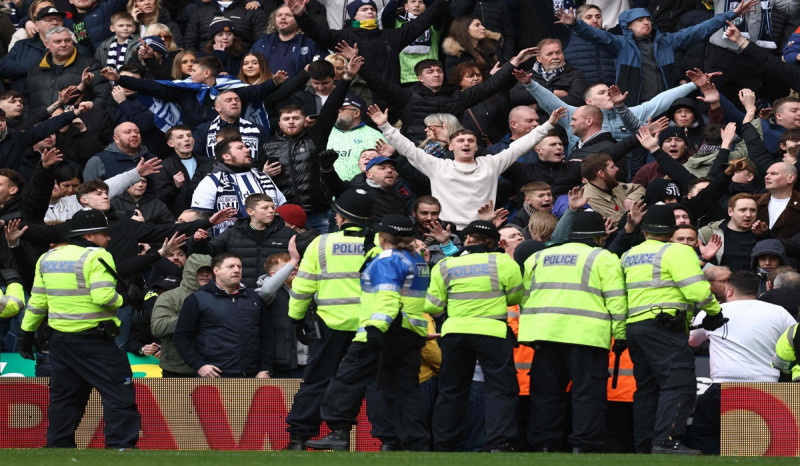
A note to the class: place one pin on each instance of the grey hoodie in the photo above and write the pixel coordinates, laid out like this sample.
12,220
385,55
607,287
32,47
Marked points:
165,314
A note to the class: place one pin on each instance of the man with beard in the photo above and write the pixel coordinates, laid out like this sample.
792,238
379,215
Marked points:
228,105
553,73
120,156
350,136
231,181
381,179
286,48
606,195
438,235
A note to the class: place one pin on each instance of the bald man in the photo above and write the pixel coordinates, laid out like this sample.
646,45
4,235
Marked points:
779,208
587,125
521,121
120,156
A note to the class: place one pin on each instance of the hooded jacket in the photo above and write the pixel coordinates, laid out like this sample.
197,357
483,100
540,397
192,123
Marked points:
112,161
629,58
232,331
248,25
165,314
767,246
694,133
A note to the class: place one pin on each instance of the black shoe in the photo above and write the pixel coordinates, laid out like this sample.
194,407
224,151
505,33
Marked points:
674,447
502,448
296,443
391,445
337,440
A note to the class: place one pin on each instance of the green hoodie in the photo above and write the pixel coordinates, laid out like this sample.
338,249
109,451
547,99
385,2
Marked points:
165,314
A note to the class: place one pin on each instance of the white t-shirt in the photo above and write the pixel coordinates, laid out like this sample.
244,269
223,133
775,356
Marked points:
776,208
742,350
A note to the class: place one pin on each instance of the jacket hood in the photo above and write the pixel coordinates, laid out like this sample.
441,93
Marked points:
768,246
684,102
193,264
451,47
115,149
629,16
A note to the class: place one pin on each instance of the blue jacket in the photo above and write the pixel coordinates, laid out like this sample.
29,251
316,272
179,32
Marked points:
595,61
290,56
503,144
792,48
629,58
232,332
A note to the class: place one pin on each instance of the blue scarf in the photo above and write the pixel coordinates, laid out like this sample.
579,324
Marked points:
168,114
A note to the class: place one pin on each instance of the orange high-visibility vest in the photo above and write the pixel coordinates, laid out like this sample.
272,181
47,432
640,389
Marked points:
523,355
626,384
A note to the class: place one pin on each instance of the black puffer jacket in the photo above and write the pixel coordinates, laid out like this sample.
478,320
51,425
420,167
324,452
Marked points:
248,25
45,80
494,15
299,179
241,240
561,176
153,209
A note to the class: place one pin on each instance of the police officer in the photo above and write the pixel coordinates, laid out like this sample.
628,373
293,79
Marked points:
13,300
575,302
476,286
785,359
331,269
664,284
74,288
391,331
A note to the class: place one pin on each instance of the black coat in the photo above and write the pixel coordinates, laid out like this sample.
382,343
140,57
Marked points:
561,176
44,81
178,199
232,332
285,356
380,48
570,80
383,202
248,25
241,240
494,15
153,209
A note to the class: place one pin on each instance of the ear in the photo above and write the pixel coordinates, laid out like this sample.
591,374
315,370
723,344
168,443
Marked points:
729,291
730,212
13,190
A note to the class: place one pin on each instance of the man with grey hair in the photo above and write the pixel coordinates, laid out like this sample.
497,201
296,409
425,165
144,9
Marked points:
779,208
783,291
717,276
64,66
787,280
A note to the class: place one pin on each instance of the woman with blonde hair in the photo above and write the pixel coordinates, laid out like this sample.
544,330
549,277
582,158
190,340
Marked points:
438,128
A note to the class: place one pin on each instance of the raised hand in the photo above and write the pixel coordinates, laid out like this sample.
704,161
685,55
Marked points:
378,117
199,236
353,67
616,96
745,7
655,127
728,133
635,215
13,231
699,78
294,254
148,167
109,73
346,50
565,17
709,251
280,77
557,114
577,199
734,35
610,226
647,140
224,215
171,244
83,107
523,77
710,95
86,77
51,157
441,235
524,55
384,148
759,228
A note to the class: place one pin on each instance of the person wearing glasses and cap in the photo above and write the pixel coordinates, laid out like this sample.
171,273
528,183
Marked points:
665,285
328,274
74,288
387,344
575,302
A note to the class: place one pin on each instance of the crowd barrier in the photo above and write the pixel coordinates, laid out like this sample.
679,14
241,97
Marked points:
230,414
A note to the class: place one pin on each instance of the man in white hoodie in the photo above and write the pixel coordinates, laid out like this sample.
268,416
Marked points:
465,184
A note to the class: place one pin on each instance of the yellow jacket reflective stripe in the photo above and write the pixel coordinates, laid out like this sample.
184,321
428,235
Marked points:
73,289
12,301
477,288
575,294
330,271
665,276
785,359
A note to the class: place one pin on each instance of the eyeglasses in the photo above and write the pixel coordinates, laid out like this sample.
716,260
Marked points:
434,126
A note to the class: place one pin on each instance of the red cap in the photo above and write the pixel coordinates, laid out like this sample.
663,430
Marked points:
292,213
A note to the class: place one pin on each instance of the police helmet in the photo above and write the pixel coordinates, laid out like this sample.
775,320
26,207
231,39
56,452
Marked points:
87,221
587,224
482,227
395,224
659,219
355,205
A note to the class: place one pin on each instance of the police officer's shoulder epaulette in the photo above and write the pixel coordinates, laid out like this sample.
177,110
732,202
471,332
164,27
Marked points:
385,253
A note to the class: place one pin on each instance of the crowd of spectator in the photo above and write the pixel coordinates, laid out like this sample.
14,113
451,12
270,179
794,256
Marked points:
225,129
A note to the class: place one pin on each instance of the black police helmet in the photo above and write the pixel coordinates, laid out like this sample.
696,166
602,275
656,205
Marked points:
587,224
355,205
87,221
659,219
482,227
397,225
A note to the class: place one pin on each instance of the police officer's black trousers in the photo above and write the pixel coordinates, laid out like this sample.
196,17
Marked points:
396,367
323,361
554,366
663,366
80,363
459,353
